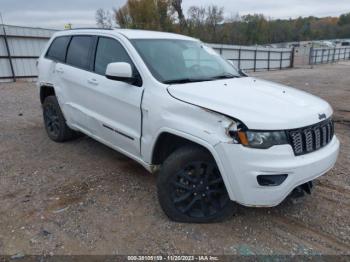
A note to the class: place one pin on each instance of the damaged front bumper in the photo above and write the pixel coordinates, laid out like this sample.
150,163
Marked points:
241,167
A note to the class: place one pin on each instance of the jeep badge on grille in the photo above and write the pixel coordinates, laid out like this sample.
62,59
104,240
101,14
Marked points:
322,116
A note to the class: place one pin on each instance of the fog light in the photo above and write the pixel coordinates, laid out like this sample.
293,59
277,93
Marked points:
271,180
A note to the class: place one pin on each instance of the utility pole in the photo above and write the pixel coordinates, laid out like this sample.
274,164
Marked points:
7,48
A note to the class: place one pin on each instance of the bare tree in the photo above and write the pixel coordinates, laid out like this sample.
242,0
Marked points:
197,15
122,17
196,21
215,17
103,18
177,5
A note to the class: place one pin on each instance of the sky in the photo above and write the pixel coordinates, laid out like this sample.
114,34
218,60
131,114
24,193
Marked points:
81,13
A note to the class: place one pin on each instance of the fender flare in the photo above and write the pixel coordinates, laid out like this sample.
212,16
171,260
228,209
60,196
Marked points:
210,147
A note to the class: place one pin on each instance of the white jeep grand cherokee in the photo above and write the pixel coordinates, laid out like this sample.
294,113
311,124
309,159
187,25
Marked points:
174,105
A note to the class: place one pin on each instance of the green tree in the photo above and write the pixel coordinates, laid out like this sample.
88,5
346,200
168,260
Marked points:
145,14
344,19
210,25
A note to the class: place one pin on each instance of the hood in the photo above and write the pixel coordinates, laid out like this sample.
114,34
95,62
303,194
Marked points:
259,104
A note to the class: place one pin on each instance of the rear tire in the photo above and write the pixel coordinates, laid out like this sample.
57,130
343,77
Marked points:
55,123
191,189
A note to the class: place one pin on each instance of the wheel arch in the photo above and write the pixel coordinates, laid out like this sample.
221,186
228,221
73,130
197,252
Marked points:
168,142
45,91
188,139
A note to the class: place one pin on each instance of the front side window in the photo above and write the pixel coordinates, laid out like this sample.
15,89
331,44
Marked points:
109,51
181,61
57,50
78,53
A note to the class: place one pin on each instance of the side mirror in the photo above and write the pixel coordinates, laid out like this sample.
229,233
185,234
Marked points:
120,71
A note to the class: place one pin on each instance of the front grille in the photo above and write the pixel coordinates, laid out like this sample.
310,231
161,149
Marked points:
309,139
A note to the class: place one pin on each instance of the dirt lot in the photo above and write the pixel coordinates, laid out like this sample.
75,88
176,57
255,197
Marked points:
83,198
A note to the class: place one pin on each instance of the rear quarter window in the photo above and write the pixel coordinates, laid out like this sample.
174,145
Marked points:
58,48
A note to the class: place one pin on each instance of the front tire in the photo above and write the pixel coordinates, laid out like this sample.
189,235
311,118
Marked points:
55,123
191,189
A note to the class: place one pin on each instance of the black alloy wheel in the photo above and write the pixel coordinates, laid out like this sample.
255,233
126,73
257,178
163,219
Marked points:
55,123
191,188
51,119
198,190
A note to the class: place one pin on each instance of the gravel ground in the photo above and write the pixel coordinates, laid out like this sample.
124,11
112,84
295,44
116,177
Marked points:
81,197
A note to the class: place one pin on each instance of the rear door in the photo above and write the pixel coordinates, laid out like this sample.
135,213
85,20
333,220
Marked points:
56,54
115,105
75,99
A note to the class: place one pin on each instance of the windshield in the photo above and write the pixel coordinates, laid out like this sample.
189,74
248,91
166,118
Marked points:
182,61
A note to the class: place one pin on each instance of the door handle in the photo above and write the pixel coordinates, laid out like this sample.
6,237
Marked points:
93,81
59,70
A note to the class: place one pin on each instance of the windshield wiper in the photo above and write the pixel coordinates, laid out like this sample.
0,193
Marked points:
184,81
193,80
224,76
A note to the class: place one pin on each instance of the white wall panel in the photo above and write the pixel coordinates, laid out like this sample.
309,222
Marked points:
5,69
23,42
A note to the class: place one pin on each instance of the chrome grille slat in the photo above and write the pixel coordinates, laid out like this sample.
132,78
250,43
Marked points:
309,139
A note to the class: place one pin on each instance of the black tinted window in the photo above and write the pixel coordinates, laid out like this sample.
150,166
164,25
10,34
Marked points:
109,51
79,51
58,48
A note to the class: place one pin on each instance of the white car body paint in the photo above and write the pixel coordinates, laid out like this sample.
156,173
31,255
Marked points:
122,69
200,112
276,107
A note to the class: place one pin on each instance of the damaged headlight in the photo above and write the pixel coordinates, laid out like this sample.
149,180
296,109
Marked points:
261,139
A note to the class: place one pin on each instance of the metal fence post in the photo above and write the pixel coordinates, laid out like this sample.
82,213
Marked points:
239,58
292,57
311,55
255,53
8,50
281,59
328,55
268,59
333,60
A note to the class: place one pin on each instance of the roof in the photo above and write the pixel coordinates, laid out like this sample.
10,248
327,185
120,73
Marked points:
138,34
130,33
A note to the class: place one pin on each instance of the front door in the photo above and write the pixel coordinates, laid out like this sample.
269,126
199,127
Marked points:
115,105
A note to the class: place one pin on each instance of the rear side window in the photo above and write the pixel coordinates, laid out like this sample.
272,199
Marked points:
78,53
109,51
57,50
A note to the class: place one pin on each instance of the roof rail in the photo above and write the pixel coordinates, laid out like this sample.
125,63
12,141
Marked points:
89,28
